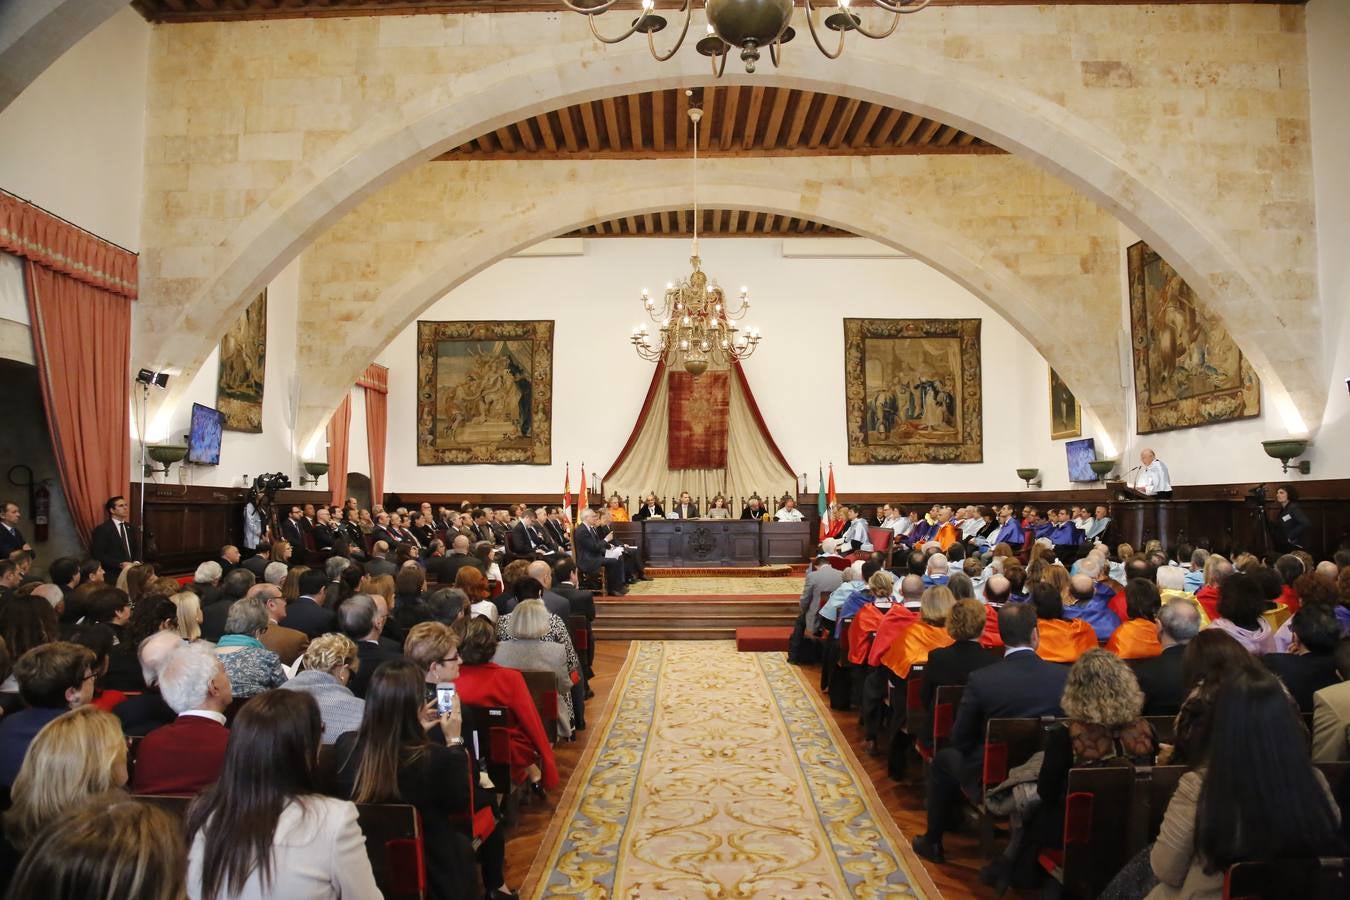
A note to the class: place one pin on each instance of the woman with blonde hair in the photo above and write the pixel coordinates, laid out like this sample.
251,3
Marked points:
124,849
527,650
1102,702
135,579
77,756
189,607
926,635
330,661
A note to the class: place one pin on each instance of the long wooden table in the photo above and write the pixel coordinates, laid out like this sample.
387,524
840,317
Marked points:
696,543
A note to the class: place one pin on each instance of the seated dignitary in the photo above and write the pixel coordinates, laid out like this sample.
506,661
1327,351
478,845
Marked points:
186,755
1021,685
592,554
686,508
788,512
754,508
718,508
525,539
651,509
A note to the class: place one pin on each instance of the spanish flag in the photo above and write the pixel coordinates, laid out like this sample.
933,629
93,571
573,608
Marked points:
567,492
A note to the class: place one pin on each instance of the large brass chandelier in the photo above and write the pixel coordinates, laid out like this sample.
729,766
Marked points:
695,323
749,25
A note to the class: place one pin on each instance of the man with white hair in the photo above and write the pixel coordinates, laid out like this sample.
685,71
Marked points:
275,573
937,570
186,755
1153,479
52,594
146,711
591,554
853,580
1160,676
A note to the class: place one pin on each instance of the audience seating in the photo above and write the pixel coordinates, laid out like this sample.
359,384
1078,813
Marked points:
1007,744
544,693
394,842
1307,879
880,539
486,729
841,679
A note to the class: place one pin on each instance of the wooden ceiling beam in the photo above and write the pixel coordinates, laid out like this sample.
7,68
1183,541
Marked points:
659,121
705,127
635,129
775,122
546,132
733,101
526,134
504,138
752,115
845,120
912,124
681,124
794,134
569,130
822,122
863,133
926,133
589,124
612,133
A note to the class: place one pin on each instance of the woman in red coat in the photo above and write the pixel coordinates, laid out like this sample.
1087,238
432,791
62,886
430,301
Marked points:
480,682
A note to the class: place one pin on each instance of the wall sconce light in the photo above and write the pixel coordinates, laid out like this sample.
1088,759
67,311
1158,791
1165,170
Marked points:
1286,449
1030,476
315,469
166,455
1102,467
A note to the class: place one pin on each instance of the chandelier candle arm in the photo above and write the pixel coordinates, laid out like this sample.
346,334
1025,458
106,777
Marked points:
688,10
815,35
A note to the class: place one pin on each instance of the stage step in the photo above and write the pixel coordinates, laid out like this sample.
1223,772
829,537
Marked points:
688,618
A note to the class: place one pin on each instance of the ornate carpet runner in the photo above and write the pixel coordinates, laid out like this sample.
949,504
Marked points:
719,774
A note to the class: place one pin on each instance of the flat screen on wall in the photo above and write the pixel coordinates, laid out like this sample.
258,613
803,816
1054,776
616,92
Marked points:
204,435
1080,454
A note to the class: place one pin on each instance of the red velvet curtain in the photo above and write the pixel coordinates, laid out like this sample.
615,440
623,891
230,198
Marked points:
377,420
82,343
338,427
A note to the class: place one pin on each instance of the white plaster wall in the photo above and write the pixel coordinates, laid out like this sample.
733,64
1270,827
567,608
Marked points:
797,374
240,453
1329,76
73,142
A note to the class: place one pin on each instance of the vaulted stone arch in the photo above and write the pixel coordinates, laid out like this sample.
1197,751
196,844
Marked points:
887,202
34,33
1249,262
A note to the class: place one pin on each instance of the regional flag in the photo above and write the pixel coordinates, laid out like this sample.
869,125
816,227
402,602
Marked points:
567,493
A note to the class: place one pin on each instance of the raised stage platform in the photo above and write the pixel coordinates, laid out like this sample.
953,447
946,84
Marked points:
701,604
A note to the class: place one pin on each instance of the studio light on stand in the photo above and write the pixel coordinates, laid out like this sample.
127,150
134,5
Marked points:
147,379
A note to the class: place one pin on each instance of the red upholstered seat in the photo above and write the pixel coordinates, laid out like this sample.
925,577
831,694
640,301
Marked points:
757,639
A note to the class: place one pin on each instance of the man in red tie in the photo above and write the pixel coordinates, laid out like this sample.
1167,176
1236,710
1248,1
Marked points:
114,543
186,755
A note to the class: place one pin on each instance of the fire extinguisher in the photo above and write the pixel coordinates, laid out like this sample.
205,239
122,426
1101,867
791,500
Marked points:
42,509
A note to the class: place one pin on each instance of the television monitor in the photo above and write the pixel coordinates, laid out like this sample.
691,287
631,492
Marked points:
204,435
1081,453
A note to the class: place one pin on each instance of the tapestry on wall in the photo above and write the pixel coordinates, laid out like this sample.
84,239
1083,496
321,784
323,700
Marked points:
243,362
484,393
912,390
698,419
1065,415
1187,369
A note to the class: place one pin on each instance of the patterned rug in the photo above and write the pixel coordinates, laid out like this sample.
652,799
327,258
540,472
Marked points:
703,586
717,774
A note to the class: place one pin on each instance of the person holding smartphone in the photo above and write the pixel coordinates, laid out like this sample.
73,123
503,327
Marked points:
410,750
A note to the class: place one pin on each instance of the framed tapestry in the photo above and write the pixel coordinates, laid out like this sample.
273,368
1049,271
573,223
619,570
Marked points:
484,393
1187,369
1066,420
912,390
243,363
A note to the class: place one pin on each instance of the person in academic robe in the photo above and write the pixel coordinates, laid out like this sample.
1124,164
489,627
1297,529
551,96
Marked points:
788,512
1061,640
754,508
946,533
1009,529
114,542
1088,604
686,508
617,511
925,635
650,509
1137,637
1153,479
856,537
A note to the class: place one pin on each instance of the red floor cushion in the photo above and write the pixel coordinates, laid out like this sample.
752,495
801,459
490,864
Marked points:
762,639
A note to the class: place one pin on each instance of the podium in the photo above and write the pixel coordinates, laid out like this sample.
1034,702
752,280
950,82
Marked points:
1141,517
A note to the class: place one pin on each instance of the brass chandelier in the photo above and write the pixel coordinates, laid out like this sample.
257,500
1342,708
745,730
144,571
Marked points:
749,25
695,323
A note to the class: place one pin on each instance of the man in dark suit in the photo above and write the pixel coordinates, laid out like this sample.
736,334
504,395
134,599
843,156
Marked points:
650,509
591,557
382,530
556,530
234,586
113,542
307,613
291,528
1310,664
582,603
187,755
422,529
229,558
257,564
1160,676
446,568
525,539
11,538
955,663
1021,685
379,564
687,508
361,618
53,679
324,532
481,528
